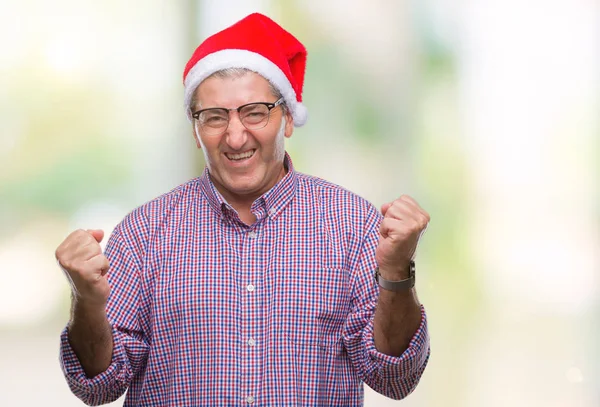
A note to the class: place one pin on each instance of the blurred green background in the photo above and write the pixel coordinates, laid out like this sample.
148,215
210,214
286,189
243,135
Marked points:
486,112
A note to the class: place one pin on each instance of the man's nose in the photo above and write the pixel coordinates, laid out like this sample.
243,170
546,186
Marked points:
236,132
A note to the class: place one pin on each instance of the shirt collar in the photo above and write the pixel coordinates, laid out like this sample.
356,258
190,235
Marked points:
271,203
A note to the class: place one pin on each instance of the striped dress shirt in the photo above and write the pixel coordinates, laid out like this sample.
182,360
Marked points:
208,311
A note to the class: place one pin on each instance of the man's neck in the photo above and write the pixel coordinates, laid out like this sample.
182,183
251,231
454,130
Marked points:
243,203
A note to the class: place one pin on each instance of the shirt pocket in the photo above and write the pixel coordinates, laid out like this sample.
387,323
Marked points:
313,305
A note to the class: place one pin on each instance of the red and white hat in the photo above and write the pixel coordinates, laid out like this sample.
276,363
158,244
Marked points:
261,45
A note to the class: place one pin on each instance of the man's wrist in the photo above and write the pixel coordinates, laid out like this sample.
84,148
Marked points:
397,283
86,311
396,273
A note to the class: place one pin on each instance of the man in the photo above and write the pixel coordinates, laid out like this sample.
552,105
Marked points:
252,284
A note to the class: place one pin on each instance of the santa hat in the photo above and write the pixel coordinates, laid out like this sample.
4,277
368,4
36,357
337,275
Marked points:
260,45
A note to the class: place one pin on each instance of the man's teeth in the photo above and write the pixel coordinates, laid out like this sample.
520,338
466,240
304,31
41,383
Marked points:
241,156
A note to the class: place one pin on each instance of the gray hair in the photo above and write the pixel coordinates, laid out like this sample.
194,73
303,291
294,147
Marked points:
236,73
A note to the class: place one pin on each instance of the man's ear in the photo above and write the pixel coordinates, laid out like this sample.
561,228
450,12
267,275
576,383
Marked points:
196,138
289,124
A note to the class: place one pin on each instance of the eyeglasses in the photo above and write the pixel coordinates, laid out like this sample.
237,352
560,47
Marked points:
215,120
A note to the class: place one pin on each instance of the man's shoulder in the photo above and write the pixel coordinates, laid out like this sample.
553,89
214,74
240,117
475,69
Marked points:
158,207
335,197
314,184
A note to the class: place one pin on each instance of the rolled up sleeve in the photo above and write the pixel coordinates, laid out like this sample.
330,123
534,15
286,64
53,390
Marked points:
106,386
130,346
396,376
392,376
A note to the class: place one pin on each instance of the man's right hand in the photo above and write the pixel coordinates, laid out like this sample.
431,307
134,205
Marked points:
82,260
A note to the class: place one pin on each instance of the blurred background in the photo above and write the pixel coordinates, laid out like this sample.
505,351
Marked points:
486,111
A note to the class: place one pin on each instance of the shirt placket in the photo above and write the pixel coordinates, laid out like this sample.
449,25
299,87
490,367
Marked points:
251,319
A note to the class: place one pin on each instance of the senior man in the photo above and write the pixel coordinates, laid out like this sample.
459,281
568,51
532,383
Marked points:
252,284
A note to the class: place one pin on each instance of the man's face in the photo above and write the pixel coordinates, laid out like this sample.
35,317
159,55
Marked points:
263,150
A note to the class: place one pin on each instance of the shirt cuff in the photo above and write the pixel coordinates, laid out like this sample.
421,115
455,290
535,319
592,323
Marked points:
413,359
104,387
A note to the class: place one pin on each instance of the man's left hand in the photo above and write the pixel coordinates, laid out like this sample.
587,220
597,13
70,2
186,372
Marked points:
403,224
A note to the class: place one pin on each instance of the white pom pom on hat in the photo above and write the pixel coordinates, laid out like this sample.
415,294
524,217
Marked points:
261,45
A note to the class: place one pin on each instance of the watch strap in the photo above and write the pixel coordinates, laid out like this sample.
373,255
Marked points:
401,285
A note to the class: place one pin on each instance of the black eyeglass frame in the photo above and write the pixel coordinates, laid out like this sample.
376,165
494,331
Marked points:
269,105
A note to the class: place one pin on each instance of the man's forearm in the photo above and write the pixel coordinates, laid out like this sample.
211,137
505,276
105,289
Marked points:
90,336
397,318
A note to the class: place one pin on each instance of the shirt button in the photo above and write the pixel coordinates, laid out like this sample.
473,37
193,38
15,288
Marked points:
251,235
272,211
249,399
251,342
250,287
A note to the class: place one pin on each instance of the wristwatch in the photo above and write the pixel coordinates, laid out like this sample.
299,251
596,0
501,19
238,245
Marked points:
401,285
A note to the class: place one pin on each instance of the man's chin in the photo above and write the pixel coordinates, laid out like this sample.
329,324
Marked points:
242,187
